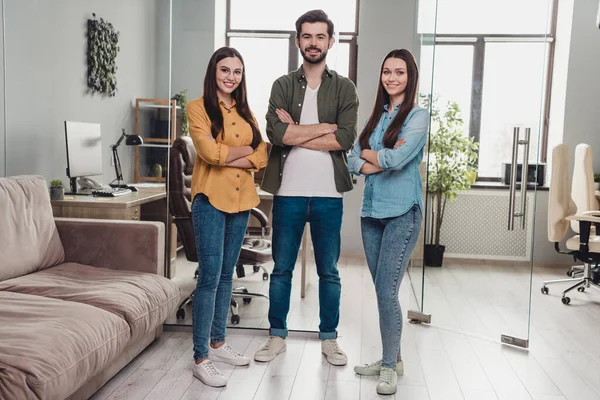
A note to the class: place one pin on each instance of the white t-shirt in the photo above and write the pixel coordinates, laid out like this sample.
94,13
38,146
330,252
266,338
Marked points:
308,173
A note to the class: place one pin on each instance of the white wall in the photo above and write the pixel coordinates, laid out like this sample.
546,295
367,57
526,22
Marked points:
193,44
46,78
384,25
582,119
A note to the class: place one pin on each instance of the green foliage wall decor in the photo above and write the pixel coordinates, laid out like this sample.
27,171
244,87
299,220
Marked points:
102,52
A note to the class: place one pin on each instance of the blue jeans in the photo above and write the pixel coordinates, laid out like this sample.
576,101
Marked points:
290,215
219,238
388,244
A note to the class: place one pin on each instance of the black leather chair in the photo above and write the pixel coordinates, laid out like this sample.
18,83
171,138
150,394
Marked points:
255,251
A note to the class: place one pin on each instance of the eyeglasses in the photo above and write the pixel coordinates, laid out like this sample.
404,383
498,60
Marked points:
224,72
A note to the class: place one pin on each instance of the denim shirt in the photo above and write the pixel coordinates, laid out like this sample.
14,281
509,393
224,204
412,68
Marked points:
394,190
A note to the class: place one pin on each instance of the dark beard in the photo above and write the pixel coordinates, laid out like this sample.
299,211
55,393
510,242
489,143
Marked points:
317,60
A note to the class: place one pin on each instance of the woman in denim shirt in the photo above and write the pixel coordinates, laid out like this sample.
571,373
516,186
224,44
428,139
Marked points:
388,153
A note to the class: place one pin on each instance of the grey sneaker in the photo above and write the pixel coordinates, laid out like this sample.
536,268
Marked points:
388,381
335,355
268,351
374,368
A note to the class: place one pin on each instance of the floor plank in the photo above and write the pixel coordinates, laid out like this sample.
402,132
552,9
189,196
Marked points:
458,356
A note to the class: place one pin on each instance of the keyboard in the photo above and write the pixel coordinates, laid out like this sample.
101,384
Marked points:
111,192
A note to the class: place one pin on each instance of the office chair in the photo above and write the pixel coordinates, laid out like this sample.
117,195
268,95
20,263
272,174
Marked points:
562,211
582,191
255,250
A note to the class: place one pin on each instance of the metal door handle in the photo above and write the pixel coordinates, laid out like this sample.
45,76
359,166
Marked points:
513,180
524,175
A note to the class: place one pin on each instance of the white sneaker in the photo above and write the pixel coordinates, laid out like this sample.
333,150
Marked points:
208,374
388,381
373,369
228,355
335,355
272,347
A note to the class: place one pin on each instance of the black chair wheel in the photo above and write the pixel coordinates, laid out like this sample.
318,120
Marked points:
570,273
240,272
247,300
235,319
181,313
256,268
265,277
581,289
566,300
545,290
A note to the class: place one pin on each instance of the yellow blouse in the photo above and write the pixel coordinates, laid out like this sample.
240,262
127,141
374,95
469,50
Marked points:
228,189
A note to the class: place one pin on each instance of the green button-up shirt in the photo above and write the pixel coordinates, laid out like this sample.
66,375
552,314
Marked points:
337,103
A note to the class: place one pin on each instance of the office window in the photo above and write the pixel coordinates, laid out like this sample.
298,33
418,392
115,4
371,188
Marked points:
494,66
264,32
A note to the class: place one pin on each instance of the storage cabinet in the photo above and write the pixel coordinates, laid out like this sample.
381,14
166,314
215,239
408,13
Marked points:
157,121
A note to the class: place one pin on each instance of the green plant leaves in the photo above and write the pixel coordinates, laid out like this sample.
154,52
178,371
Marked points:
181,100
452,156
101,56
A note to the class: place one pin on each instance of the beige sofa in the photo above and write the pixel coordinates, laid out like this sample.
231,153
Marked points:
79,299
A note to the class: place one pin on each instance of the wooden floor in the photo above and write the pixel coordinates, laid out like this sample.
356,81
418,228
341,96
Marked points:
441,362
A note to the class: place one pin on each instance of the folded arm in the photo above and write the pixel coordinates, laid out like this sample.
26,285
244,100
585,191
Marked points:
208,149
414,137
283,131
344,134
253,162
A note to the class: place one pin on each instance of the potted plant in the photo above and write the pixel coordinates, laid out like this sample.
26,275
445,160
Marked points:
452,164
181,100
596,181
57,191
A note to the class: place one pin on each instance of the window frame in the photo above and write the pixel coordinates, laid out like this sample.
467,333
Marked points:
478,41
343,37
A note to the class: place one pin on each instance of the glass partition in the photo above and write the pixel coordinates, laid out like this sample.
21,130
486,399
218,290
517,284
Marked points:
488,83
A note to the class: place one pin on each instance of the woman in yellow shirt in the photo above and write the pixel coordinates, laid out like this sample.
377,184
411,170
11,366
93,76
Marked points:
230,148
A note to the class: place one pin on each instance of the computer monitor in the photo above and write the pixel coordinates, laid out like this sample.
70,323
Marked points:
84,151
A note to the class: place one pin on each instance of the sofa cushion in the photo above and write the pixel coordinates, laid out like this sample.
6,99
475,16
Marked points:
143,300
29,239
49,347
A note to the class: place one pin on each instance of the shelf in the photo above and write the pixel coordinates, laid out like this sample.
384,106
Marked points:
143,158
150,179
158,106
156,140
164,146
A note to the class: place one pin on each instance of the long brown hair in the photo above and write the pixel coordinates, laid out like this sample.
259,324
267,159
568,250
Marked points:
211,100
410,96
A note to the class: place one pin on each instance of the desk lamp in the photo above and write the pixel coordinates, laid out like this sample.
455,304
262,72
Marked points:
132,140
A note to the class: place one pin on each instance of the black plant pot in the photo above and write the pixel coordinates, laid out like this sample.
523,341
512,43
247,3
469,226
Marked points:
434,255
57,193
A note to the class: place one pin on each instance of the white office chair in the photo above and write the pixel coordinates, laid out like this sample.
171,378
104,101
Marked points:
562,209
582,191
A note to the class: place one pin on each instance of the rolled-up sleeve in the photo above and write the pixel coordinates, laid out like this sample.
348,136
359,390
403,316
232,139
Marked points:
208,149
259,157
355,163
415,136
347,117
275,127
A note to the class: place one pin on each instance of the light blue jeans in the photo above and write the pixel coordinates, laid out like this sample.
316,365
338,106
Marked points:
219,238
388,244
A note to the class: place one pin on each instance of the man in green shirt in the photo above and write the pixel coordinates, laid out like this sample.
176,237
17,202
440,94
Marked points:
311,123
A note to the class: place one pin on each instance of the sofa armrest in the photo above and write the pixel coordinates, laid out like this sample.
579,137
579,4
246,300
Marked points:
115,244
